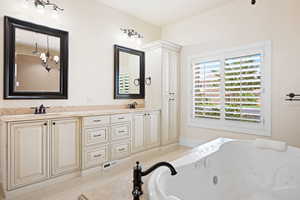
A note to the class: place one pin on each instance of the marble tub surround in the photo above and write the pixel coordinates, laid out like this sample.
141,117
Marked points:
55,109
111,184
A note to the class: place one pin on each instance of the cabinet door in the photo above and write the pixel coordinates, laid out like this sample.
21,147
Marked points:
154,66
65,146
173,122
173,111
138,140
169,107
153,129
27,154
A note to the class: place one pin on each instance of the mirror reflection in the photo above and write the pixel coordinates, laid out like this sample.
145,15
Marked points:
37,62
129,73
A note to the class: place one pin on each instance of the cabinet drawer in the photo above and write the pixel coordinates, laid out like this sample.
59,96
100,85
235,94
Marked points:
96,120
120,131
120,118
95,135
95,156
120,150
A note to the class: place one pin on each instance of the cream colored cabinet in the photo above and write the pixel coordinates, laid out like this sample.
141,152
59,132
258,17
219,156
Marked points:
163,63
170,98
28,161
152,131
95,156
138,137
96,121
39,150
120,131
120,149
146,133
95,135
65,156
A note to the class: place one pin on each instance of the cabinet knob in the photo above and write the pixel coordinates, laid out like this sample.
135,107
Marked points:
53,123
45,124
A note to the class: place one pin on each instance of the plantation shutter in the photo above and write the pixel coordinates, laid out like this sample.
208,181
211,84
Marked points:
243,88
124,83
206,90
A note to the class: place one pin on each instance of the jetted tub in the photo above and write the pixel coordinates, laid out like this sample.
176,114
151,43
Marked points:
227,169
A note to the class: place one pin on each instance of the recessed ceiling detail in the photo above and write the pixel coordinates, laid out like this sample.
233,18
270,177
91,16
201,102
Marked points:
162,12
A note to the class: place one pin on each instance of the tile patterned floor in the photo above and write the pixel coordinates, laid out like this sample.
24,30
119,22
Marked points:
111,184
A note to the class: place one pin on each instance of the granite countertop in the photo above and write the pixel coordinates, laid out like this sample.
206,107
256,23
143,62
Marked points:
23,117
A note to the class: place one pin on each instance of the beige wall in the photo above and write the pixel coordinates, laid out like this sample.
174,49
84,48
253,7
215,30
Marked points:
237,24
94,29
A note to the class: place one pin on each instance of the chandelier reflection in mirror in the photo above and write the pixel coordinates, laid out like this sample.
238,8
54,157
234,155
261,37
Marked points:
48,61
131,34
46,57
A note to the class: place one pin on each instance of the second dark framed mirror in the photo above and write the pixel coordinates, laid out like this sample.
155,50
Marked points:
129,73
36,61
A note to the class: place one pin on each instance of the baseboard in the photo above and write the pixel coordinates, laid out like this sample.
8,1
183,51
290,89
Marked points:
190,142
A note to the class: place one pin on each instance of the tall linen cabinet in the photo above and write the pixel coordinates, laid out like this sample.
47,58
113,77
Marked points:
162,65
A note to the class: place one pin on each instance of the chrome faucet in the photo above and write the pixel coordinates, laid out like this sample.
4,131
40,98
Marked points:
138,174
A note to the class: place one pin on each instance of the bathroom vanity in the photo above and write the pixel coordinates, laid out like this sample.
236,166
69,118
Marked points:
42,149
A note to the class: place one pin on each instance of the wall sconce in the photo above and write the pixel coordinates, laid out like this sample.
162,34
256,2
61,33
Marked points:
131,34
42,4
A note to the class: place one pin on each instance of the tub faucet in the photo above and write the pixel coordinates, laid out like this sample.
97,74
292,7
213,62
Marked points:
138,174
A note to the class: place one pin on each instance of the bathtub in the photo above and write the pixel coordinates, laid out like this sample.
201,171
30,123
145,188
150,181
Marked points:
227,169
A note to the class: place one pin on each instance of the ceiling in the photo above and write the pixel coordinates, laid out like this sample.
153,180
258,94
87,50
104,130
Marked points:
162,12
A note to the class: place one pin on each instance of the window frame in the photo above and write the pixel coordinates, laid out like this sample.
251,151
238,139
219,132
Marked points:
263,128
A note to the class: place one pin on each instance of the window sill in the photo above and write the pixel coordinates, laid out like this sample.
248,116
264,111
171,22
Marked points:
232,128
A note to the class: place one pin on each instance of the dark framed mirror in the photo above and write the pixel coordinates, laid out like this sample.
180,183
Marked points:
35,62
129,73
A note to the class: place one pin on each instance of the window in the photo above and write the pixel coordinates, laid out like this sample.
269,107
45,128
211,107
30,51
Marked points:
243,88
207,91
231,90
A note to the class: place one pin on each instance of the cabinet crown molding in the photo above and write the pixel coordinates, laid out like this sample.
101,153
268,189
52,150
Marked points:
162,44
